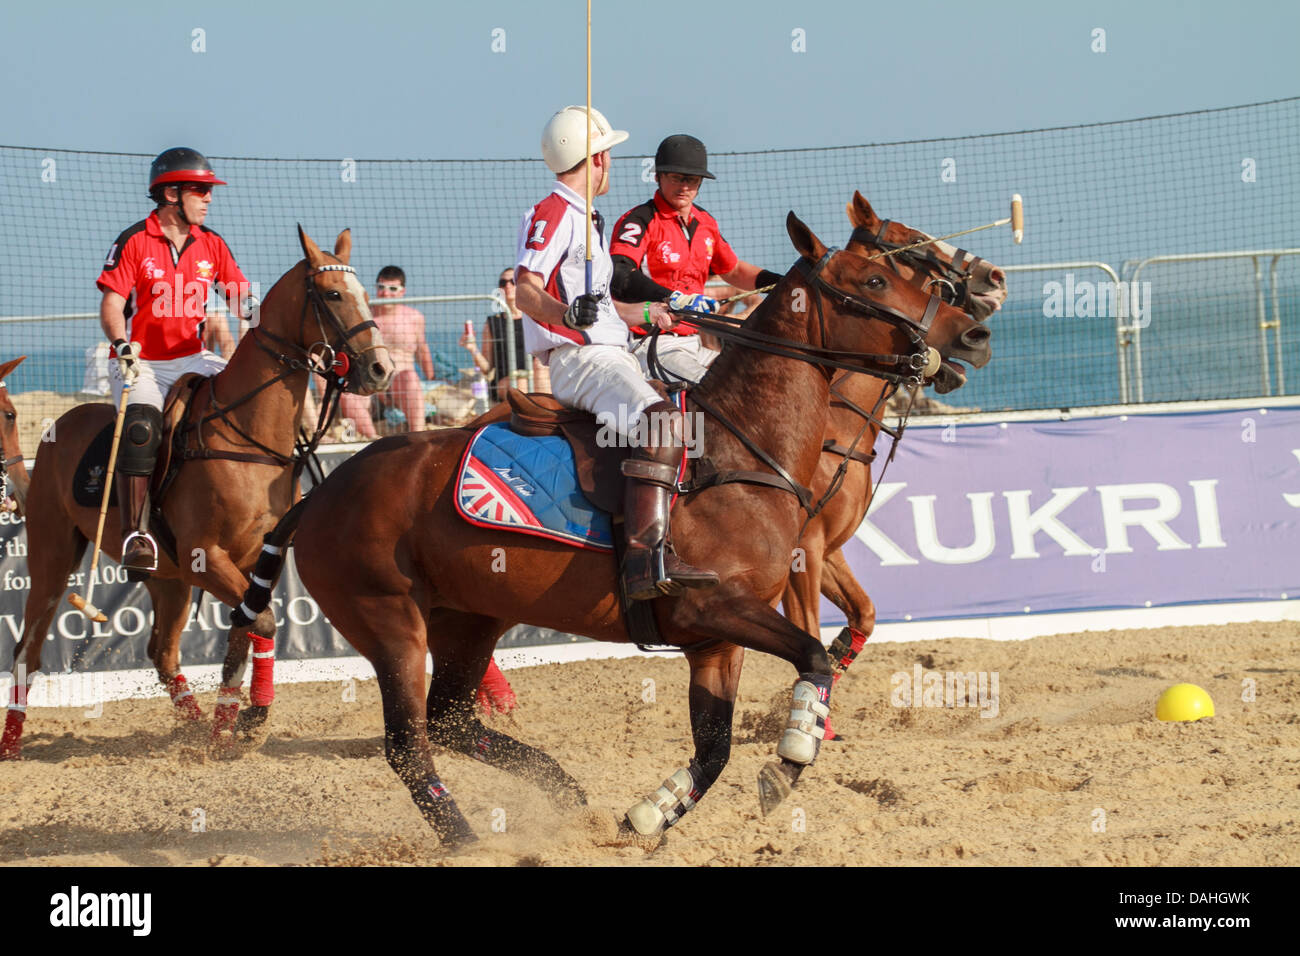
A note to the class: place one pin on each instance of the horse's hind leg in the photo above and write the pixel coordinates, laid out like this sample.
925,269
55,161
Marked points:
55,548
461,645
715,676
171,604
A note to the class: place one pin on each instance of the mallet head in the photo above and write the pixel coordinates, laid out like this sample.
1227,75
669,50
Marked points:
92,612
1017,218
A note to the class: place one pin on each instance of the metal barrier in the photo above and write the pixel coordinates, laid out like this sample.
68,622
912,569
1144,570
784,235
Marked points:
1260,311
1122,332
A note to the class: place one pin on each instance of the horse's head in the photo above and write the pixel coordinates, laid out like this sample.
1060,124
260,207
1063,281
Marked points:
320,307
12,469
960,279
866,307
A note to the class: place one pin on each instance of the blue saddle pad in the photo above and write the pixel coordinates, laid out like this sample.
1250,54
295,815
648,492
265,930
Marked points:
530,485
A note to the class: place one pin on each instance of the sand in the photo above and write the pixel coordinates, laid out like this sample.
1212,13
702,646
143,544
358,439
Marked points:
1073,769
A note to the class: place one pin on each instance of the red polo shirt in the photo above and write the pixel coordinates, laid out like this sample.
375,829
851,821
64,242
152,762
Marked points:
166,291
678,257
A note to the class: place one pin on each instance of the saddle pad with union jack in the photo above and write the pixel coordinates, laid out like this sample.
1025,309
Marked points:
525,484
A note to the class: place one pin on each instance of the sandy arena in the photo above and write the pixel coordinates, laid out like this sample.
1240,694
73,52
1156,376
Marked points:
1073,769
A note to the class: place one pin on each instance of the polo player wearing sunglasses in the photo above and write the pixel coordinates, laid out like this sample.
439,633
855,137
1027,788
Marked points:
155,284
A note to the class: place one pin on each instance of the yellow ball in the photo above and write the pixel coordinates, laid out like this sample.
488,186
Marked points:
1184,702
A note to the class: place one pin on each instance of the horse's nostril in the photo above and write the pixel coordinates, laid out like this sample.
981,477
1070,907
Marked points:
379,370
976,336
999,277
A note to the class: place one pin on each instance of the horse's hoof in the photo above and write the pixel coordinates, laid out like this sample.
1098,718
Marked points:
250,719
776,782
187,709
628,836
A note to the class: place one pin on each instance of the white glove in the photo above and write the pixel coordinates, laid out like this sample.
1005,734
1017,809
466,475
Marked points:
680,301
128,360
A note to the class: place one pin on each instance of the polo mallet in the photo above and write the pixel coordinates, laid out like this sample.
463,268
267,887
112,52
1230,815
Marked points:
83,604
1016,220
588,147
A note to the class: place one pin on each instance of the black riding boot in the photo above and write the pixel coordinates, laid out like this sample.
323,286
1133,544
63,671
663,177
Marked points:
650,567
139,550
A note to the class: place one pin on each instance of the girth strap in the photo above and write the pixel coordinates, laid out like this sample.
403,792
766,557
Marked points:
785,482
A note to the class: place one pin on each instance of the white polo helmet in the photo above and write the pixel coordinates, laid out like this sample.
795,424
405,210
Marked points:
564,141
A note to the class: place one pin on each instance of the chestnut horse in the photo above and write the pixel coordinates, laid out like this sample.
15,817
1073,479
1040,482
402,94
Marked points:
398,573
12,470
239,475
857,404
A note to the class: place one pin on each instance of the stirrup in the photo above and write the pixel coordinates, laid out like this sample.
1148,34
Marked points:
153,549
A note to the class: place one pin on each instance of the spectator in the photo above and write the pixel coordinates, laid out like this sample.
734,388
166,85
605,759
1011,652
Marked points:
494,344
403,330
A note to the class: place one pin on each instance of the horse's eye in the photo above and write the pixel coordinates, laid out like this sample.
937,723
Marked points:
11,416
333,295
875,283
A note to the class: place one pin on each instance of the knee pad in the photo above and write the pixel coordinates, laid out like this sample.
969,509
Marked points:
141,438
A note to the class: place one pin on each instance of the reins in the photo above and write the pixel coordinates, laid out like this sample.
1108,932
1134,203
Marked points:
332,363
918,363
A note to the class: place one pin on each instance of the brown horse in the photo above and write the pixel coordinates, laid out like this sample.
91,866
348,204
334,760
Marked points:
379,544
238,476
12,470
856,418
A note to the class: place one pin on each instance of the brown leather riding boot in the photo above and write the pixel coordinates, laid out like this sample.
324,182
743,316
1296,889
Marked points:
139,550
650,567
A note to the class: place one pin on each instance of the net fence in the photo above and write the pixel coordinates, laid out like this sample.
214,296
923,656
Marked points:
1101,201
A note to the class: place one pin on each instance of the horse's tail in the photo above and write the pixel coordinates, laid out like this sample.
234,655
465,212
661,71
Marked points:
275,546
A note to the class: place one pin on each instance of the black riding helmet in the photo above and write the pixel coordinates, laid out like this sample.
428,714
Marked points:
683,154
177,166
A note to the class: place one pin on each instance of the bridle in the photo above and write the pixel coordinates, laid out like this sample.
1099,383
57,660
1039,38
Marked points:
954,276
922,360
333,362
6,463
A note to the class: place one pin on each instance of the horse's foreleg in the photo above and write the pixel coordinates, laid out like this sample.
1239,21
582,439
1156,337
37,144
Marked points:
732,614
842,588
225,582
461,645
715,676
171,603
802,597
55,547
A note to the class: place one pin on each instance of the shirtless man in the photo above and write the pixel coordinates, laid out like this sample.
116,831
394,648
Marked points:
403,331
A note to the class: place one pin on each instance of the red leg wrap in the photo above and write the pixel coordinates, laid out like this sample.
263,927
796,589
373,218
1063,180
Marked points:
495,692
261,691
187,707
11,745
225,714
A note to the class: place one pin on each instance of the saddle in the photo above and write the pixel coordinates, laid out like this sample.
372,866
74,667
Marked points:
599,469
87,485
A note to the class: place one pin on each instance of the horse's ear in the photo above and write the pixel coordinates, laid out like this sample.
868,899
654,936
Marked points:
808,245
343,246
9,366
860,211
309,249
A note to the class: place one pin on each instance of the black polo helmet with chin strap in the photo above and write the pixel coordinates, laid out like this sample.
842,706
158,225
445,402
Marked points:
178,166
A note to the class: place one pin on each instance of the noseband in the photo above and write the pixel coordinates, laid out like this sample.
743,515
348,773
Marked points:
322,358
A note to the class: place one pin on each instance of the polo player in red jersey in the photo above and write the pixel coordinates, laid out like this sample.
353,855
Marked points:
155,282
665,250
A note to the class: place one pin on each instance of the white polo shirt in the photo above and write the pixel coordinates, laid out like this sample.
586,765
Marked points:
552,243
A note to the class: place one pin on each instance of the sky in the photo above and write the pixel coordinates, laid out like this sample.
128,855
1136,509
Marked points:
388,79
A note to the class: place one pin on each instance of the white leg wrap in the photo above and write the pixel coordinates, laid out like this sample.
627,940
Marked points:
665,806
804,732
